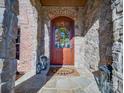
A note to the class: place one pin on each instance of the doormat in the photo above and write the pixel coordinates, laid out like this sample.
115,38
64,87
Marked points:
62,71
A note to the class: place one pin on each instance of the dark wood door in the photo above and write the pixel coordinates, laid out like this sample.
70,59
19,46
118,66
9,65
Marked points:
62,41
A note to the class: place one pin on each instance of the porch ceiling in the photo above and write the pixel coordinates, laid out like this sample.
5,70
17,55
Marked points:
77,3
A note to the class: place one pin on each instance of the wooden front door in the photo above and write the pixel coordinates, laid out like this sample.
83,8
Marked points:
62,41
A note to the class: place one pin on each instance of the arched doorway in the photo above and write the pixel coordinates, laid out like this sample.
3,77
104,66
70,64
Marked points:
62,41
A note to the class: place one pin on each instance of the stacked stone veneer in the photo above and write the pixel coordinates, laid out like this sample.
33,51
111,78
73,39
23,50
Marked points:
8,30
97,33
117,18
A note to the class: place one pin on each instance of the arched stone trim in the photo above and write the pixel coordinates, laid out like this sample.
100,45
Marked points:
53,12
62,16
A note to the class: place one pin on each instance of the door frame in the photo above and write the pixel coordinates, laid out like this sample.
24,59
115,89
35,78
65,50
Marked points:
51,36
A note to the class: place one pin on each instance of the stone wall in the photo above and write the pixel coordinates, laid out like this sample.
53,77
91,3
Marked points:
110,32
91,42
117,50
28,37
8,30
97,33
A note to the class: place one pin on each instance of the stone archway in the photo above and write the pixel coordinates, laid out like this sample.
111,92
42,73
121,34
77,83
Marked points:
45,17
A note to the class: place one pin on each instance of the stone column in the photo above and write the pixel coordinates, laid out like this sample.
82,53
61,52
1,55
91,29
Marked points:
28,37
117,16
8,29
